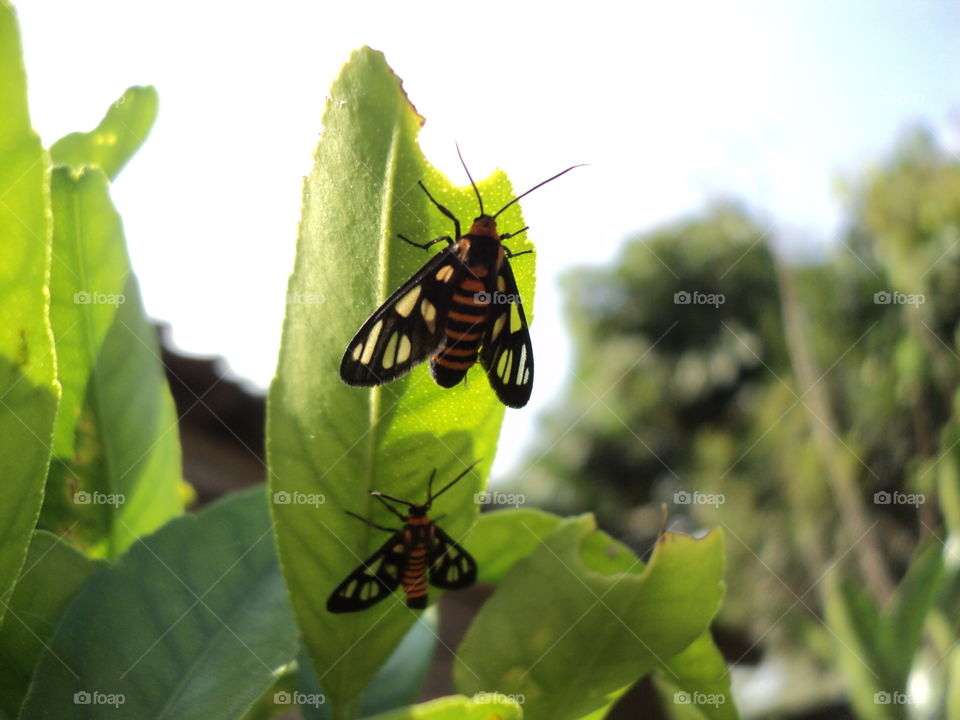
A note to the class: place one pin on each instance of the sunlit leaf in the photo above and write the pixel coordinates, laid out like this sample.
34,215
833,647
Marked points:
328,445
117,472
28,388
583,600
118,136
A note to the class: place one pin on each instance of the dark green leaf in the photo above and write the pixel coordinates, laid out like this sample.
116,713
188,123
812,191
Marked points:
192,622
903,621
51,576
398,682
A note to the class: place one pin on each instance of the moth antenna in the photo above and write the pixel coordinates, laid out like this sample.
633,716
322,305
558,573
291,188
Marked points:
452,482
538,185
479,199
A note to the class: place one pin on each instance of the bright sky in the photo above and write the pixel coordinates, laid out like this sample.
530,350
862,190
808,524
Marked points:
672,104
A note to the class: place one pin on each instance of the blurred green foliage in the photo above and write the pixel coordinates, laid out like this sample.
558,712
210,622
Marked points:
799,404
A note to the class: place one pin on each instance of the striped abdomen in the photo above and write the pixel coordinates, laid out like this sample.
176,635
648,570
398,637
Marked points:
464,329
414,578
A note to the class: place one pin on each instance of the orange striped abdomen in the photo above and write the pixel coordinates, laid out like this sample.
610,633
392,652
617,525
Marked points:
414,578
463,329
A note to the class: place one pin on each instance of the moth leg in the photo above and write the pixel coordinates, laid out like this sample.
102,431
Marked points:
441,208
507,236
371,524
426,245
511,254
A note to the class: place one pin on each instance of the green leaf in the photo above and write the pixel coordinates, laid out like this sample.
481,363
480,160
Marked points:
51,576
948,482
192,622
876,651
28,387
903,620
854,621
607,704
267,706
953,685
328,441
502,537
698,678
117,474
582,600
457,707
119,135
399,681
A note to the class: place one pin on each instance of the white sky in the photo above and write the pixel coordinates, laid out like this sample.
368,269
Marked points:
672,104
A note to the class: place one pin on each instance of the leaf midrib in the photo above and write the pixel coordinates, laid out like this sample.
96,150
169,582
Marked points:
97,401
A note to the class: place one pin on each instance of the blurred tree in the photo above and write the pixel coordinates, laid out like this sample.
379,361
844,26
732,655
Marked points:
787,395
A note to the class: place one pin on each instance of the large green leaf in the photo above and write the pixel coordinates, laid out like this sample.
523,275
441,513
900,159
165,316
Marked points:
118,136
53,573
697,679
582,600
192,622
117,474
28,387
332,442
